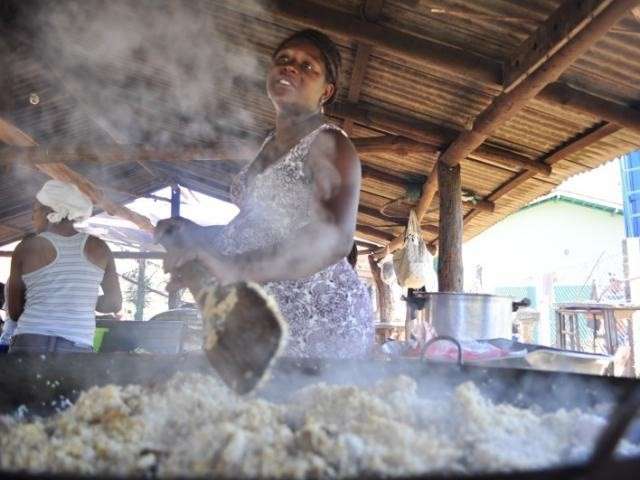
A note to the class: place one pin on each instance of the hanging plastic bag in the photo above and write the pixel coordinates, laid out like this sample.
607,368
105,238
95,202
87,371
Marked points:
411,262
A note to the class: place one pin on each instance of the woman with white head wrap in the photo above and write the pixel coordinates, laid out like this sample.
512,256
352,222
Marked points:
65,200
53,287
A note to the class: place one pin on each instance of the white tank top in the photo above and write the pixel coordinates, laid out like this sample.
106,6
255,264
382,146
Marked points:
61,296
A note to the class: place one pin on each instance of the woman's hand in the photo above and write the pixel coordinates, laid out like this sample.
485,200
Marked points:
216,266
176,233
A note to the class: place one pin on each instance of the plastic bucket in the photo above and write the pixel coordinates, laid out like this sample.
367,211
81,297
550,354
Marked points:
98,337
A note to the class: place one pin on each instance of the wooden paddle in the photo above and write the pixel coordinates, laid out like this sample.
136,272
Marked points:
243,328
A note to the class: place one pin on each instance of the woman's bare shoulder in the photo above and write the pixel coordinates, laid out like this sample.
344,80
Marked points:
334,138
97,250
30,243
97,244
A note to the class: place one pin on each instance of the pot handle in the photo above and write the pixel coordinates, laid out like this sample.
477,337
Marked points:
439,338
525,302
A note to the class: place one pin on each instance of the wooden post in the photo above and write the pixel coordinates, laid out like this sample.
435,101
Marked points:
140,291
450,277
174,298
383,293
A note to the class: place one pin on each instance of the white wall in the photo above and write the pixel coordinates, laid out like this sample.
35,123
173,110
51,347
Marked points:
554,236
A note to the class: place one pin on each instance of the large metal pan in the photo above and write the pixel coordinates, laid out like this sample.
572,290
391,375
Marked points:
39,381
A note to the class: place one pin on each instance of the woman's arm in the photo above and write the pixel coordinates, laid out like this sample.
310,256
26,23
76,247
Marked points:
15,288
111,299
336,172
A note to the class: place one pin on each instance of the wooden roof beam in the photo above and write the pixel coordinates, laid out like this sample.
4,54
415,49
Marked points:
579,143
399,182
399,221
507,105
369,172
12,229
371,10
586,103
12,135
566,21
392,122
428,53
393,144
374,232
231,150
416,49
368,245
510,159
433,136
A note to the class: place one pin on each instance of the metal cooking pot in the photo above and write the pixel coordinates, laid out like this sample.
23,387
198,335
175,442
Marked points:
473,316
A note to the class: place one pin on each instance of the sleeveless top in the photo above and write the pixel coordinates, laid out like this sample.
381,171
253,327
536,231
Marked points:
329,313
61,296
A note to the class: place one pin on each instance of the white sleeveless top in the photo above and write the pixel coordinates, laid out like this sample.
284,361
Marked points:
61,296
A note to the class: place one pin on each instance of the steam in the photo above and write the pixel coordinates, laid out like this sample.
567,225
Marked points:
133,72
132,67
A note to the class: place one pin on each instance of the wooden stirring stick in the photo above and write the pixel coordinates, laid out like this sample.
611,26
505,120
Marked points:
243,328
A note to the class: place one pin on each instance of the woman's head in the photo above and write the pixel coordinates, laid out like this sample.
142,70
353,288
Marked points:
305,72
57,202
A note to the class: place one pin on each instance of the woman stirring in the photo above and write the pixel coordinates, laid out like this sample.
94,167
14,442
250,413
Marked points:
298,203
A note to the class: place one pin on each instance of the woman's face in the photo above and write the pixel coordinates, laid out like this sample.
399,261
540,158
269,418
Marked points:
39,217
297,78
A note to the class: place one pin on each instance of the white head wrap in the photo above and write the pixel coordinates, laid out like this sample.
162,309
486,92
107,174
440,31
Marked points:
65,200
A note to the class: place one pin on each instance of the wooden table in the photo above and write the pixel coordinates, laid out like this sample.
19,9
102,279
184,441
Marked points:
604,320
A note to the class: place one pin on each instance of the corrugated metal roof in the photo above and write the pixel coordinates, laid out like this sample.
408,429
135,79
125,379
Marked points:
142,94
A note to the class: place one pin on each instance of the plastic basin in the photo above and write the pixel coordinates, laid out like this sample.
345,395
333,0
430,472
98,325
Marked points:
98,337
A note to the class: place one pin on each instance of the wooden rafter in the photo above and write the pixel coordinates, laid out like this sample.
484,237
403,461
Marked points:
12,135
368,246
363,50
567,20
374,232
227,150
583,102
412,48
371,10
432,135
417,49
577,144
397,221
4,226
507,105
392,144
369,172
